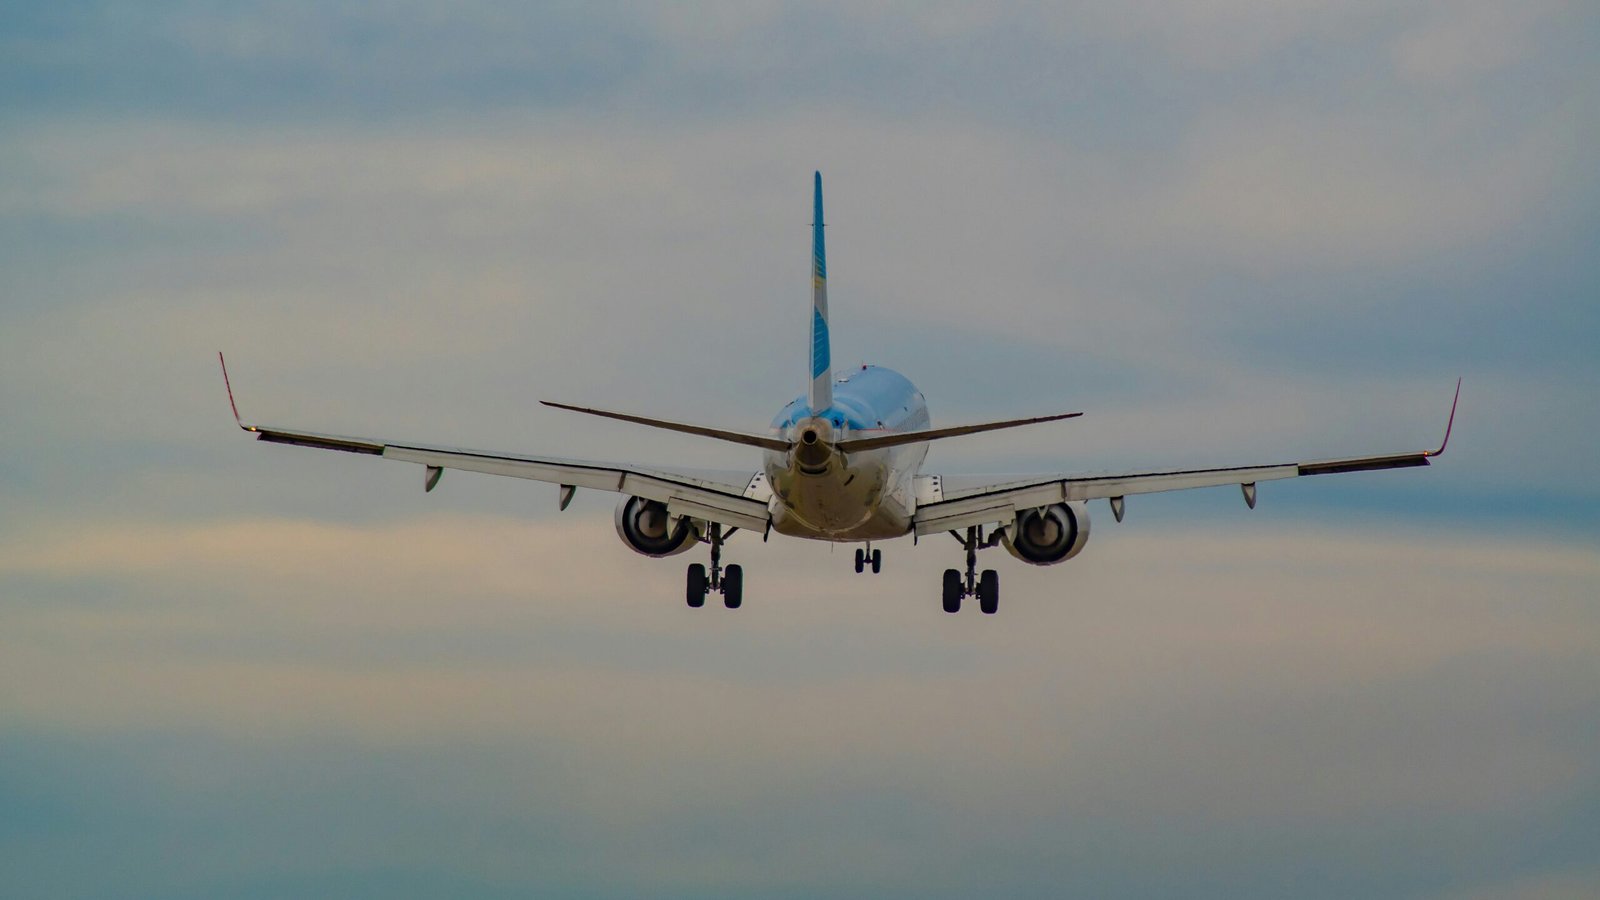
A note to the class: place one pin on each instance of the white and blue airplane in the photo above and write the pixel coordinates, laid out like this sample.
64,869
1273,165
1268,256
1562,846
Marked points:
841,463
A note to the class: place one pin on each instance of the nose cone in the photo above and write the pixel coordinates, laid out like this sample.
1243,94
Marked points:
813,445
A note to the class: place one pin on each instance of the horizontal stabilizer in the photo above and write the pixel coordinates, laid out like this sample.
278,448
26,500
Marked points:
737,437
934,434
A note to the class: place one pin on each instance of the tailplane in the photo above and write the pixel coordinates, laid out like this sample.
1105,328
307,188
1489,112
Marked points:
820,396
765,442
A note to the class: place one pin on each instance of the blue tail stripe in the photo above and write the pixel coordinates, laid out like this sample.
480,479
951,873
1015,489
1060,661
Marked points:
819,344
819,261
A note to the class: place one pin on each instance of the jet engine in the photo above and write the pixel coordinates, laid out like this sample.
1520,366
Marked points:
644,526
1044,537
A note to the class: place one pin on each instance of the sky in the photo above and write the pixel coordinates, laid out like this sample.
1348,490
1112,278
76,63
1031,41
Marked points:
1229,232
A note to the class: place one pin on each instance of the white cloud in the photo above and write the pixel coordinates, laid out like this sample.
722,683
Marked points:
1159,704
411,284
1457,43
1224,34
1158,655
1301,190
927,217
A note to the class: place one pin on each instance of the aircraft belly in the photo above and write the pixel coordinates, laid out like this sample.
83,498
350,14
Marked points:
867,501
882,524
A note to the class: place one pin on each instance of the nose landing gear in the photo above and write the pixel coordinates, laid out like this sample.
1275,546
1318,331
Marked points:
729,583
985,587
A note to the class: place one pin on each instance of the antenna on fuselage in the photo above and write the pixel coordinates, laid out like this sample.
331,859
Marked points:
820,396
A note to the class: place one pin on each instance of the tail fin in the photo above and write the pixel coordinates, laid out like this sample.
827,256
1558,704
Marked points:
820,396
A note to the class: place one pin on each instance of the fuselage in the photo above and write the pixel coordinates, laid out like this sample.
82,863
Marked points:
822,493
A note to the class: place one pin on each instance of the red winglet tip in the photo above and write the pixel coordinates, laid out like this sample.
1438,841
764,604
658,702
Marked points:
1449,423
229,385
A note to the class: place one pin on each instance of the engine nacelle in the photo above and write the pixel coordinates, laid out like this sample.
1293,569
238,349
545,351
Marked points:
643,526
1045,537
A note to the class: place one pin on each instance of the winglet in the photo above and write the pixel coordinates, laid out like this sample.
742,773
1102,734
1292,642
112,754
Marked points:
1447,425
229,385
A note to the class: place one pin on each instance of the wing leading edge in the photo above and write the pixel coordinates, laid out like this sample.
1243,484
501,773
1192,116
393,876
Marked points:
953,502
727,498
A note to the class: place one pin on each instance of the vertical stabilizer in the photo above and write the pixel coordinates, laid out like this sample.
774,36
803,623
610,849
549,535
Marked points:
820,396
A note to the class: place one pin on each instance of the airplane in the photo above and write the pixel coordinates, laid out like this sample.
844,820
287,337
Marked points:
841,463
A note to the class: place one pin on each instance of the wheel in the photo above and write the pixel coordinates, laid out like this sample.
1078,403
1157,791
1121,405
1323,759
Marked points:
952,591
877,561
697,585
861,560
989,591
733,586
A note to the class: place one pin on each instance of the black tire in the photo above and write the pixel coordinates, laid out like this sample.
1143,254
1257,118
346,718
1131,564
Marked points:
697,585
952,591
861,560
733,586
989,591
877,561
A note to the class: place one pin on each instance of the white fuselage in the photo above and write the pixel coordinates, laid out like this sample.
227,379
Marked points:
822,493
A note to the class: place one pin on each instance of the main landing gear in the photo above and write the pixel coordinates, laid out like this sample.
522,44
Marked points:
729,583
985,587
868,557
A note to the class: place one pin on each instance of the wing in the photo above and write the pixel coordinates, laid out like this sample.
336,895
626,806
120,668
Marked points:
946,503
732,498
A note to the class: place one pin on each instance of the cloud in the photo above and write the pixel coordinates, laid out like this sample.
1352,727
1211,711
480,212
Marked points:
235,583
1166,684
1456,44
1560,885
1219,35
462,229
1228,231
1311,190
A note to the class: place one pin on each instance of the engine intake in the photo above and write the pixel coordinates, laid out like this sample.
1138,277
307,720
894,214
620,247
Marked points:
643,526
1044,537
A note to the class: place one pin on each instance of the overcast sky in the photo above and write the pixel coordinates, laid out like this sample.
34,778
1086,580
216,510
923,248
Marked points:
1227,231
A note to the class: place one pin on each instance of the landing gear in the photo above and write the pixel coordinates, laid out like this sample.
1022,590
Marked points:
868,557
985,587
697,585
729,583
989,592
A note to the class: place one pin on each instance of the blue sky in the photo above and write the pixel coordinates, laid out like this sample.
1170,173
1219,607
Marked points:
1227,231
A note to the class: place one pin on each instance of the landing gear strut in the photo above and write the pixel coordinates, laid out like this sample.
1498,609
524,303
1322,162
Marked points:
868,557
985,587
729,583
